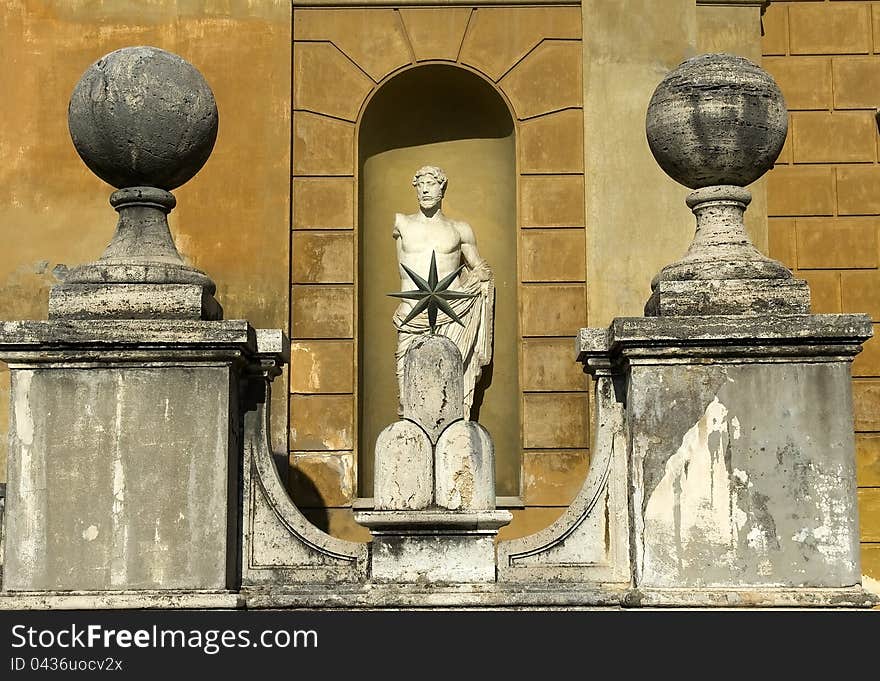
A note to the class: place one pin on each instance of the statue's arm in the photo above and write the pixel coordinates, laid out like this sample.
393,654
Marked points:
472,258
396,231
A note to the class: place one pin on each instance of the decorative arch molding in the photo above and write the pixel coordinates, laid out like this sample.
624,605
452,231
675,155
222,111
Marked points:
342,56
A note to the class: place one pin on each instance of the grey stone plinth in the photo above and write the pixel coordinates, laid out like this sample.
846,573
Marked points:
133,301
464,464
404,466
741,448
433,384
125,443
433,546
729,296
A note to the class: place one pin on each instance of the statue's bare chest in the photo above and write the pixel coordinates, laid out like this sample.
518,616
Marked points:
418,237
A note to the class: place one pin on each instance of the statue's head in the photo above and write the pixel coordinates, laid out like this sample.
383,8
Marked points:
430,183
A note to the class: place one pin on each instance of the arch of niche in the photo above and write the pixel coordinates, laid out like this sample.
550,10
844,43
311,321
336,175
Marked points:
532,57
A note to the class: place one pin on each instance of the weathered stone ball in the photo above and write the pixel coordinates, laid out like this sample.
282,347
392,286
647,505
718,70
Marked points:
716,119
141,116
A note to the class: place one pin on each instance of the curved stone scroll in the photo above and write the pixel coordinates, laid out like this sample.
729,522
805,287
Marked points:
280,546
589,542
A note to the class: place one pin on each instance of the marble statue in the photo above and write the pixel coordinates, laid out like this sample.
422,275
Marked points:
429,233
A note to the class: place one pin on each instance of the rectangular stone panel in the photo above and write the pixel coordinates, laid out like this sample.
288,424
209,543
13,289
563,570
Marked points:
553,309
553,255
722,454
829,28
372,38
868,460
782,241
326,81
555,420
548,79
843,243
774,23
322,311
805,81
118,479
323,203
552,201
321,423
323,257
859,292
824,290
869,514
856,82
867,362
436,33
498,37
800,190
553,143
549,364
322,145
839,137
321,366
321,480
858,190
866,405
553,477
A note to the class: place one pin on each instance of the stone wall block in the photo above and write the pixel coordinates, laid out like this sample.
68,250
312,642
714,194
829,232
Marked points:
858,190
552,201
498,37
322,146
372,38
553,255
323,203
844,243
326,81
802,190
548,79
553,143
404,473
829,28
805,81
464,468
839,137
436,33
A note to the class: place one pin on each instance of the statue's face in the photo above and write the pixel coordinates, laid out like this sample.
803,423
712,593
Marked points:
429,191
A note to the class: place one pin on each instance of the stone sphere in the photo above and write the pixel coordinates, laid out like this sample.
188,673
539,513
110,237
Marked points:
716,119
141,116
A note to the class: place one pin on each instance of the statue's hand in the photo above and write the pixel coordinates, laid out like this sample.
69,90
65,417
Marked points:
482,271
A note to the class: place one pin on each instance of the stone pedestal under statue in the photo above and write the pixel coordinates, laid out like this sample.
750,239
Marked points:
434,497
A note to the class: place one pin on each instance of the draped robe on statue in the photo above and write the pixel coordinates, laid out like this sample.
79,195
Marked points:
474,339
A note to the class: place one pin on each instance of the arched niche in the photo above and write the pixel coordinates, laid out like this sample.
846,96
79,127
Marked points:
448,116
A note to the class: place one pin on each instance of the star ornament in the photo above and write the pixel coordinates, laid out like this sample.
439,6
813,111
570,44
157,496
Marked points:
432,295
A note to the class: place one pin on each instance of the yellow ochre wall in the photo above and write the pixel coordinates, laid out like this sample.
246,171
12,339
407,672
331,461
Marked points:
824,193
231,220
235,218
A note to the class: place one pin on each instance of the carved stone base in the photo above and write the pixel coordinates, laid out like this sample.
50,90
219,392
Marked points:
728,297
433,546
133,301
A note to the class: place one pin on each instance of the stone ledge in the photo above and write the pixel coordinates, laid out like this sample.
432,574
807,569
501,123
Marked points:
121,600
434,522
758,330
